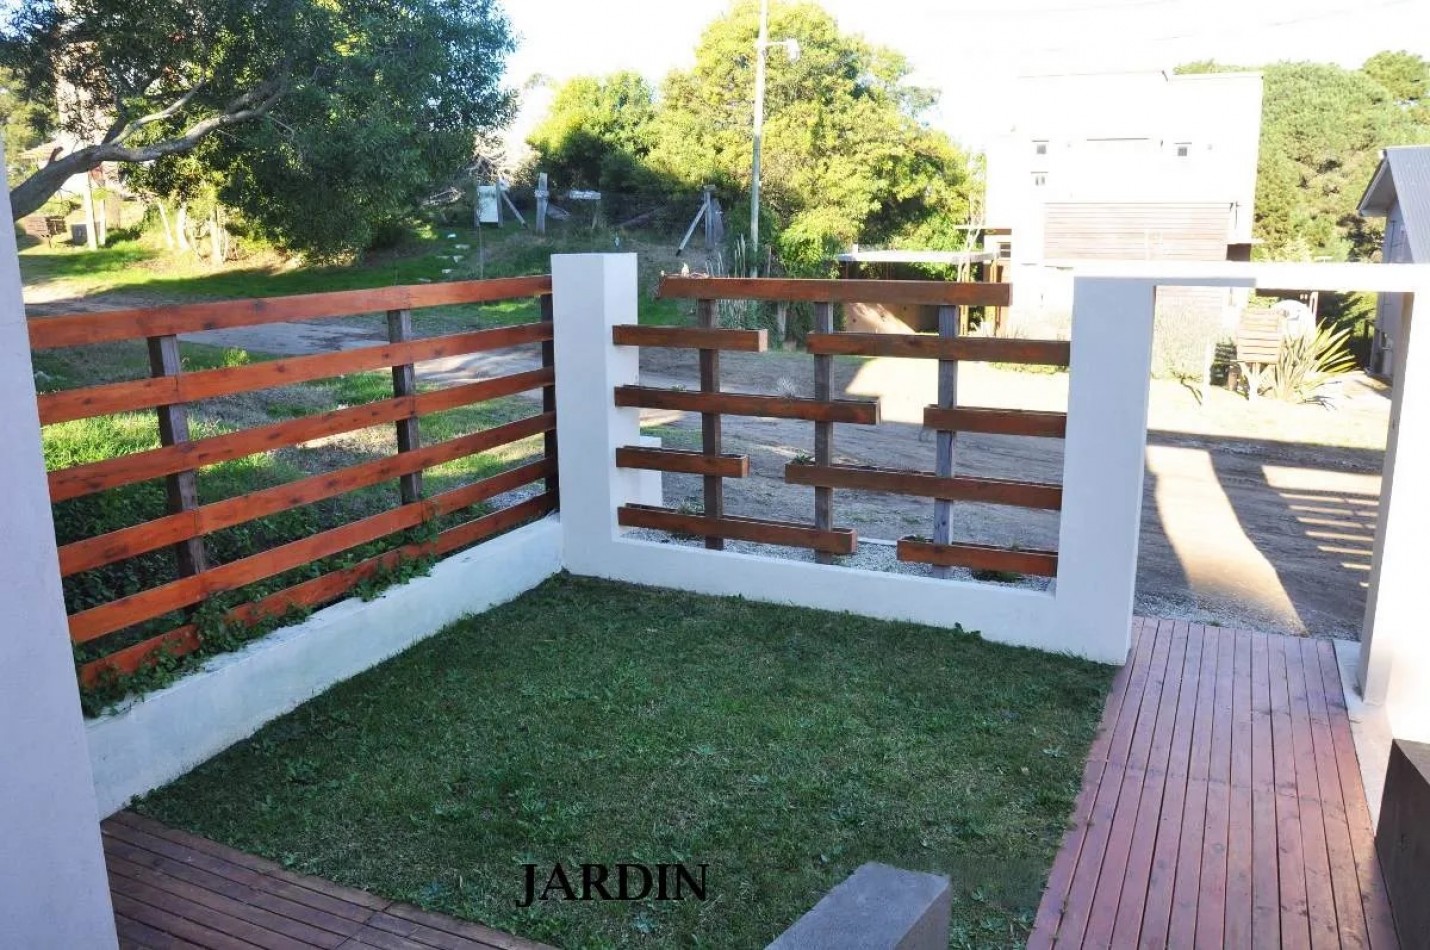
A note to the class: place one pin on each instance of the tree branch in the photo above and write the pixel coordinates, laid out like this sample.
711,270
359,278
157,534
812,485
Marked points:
119,133
34,191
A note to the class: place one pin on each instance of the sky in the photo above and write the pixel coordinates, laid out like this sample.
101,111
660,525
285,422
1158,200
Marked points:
967,50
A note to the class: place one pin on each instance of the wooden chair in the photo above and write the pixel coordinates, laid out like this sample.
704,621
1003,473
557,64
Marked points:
1258,347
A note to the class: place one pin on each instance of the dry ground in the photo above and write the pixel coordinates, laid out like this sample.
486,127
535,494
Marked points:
1258,515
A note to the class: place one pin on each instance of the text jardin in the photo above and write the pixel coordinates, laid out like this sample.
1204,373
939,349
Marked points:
630,882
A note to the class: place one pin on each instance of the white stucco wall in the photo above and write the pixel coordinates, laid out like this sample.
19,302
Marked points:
53,888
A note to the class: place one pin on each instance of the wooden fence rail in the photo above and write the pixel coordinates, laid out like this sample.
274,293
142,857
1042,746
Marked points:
169,392
820,472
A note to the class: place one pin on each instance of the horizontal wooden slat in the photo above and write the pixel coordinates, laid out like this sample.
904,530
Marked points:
189,387
919,346
139,466
320,590
995,491
161,532
691,338
1052,425
678,460
929,292
979,557
836,541
737,404
105,326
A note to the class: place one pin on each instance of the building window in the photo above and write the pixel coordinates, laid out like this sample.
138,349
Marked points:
1184,149
1040,148
1040,179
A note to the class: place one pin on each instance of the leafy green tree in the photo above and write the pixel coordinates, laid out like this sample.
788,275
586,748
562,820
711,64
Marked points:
598,133
27,121
845,157
1404,75
336,114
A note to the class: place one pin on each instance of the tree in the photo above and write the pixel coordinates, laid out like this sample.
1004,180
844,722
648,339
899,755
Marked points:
1322,130
303,89
845,156
598,133
27,122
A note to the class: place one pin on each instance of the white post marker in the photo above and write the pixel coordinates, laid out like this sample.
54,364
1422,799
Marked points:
53,888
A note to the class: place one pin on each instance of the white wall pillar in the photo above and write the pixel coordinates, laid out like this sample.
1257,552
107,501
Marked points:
1103,467
53,888
591,293
1395,640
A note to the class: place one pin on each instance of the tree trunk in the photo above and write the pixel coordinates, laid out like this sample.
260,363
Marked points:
215,240
181,227
91,239
164,223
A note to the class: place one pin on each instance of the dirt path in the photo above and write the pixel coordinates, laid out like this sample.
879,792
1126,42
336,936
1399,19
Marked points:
1245,521
1248,532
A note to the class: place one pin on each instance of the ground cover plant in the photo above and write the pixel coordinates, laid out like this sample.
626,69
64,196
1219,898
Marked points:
589,721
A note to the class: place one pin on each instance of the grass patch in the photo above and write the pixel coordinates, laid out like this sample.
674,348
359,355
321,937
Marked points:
592,721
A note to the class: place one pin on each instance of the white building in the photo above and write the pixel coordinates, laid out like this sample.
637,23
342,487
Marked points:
1121,166
1399,193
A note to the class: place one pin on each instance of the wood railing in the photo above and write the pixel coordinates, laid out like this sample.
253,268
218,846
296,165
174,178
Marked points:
945,418
169,391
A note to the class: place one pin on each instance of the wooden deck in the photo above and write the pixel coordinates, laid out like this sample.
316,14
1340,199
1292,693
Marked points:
173,889
1221,804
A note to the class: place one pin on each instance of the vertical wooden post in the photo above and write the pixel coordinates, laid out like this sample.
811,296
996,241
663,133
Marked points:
710,422
948,319
182,488
823,431
543,197
404,383
548,395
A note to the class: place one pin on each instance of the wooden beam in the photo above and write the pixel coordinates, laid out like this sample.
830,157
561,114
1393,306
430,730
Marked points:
823,431
835,541
993,491
927,292
948,320
404,383
90,553
687,463
738,404
710,422
691,338
548,391
80,329
86,479
920,346
979,557
181,488
1049,425
130,395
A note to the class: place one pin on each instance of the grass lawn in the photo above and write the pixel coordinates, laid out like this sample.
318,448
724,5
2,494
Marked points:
597,722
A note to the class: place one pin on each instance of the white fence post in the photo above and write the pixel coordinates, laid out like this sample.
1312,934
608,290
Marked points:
1104,463
53,887
1395,653
591,293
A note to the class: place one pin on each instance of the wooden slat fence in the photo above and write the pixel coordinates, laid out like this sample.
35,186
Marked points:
946,418
448,516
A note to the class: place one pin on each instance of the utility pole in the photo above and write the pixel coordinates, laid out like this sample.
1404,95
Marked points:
761,45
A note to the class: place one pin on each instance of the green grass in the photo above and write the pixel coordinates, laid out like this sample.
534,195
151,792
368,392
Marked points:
433,253
597,722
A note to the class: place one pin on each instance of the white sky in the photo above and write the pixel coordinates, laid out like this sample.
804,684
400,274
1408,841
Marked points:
963,48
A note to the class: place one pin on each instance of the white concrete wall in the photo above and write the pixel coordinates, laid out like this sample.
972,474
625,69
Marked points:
53,888
164,734
1087,613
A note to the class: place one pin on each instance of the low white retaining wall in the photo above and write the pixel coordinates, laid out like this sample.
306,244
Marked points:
162,735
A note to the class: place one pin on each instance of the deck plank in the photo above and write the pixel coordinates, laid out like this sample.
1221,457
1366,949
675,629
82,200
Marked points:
1221,806
174,889
1161,878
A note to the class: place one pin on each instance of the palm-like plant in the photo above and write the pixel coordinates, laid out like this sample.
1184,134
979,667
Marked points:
1308,363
